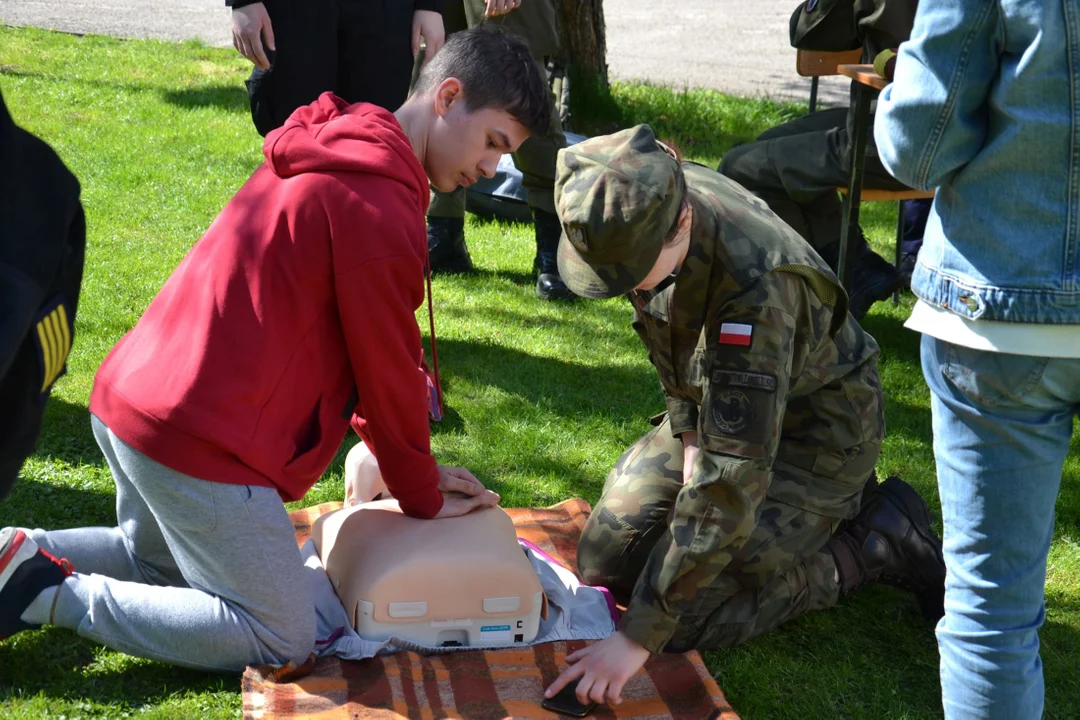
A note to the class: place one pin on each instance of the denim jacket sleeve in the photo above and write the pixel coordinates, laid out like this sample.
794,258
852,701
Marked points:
932,119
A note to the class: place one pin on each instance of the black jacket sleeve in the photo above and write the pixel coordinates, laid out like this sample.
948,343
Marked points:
42,245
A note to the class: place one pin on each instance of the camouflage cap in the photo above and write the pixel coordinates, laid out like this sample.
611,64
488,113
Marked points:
617,197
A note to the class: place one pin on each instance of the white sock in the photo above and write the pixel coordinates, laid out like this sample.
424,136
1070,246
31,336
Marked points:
37,612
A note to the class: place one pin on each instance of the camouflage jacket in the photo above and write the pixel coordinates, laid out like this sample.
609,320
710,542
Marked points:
758,355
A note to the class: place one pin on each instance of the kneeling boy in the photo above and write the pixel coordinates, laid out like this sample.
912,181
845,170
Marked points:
293,316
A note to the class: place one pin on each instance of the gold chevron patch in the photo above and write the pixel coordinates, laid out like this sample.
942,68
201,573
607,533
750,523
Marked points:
53,335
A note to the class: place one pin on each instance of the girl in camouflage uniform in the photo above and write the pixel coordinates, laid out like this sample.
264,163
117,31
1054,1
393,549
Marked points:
745,505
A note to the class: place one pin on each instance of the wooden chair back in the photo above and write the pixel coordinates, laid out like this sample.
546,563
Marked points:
811,63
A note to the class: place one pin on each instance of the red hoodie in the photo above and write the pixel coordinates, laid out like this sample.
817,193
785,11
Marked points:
294,314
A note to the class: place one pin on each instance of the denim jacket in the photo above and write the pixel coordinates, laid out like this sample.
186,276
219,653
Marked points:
985,106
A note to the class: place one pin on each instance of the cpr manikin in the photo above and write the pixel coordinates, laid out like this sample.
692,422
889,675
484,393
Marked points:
447,582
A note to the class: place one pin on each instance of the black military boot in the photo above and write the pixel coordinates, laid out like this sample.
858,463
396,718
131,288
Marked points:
873,278
891,541
447,251
549,286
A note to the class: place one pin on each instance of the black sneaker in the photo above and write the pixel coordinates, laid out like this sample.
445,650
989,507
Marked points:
25,570
447,251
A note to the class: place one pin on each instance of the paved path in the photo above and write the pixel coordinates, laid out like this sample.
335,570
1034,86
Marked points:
735,46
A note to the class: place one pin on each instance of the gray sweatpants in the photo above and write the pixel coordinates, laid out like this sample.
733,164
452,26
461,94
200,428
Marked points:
197,573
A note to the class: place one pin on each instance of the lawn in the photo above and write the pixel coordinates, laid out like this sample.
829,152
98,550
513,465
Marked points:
542,397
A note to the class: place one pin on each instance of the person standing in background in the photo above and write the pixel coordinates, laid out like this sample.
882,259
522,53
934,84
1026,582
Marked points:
361,50
796,167
983,107
533,20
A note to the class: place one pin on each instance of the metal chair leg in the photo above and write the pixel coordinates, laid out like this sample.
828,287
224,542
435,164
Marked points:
850,220
899,244
813,94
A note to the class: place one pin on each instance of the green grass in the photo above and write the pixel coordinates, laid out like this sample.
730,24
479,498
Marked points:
542,397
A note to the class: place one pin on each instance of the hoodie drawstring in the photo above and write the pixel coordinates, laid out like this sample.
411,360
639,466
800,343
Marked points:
438,413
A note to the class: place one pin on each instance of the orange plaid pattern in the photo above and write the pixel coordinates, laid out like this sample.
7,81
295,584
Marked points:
479,684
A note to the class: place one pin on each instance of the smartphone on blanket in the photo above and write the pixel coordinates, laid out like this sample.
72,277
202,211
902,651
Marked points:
565,702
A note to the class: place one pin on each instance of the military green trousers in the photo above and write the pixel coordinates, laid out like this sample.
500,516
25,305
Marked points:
781,572
535,159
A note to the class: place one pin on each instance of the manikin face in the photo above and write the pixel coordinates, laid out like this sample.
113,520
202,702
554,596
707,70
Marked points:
465,145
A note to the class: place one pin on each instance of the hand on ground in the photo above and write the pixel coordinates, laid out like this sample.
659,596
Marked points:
603,667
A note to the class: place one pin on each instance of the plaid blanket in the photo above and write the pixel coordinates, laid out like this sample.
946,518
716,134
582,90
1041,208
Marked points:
475,685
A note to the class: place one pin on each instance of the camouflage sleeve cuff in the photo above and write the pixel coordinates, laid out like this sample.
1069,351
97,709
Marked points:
682,415
648,625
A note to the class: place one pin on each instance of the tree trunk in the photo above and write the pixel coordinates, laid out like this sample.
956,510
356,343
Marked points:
581,32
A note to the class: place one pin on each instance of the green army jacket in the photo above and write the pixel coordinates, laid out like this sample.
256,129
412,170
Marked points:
757,354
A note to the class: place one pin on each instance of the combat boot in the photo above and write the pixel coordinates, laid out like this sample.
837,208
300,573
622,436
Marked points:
447,251
872,279
891,541
549,286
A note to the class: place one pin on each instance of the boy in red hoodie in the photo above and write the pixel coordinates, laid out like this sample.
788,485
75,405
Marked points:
291,317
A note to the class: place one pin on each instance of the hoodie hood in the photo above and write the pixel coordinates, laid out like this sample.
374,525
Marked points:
330,135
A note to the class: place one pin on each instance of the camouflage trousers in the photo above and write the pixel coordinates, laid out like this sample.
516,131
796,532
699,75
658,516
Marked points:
781,572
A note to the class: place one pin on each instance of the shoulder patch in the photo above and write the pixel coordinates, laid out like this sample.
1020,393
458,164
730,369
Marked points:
53,333
741,379
732,411
736,334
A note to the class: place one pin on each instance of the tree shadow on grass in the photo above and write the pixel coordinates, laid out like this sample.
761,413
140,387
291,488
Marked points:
66,434
483,275
232,98
898,344
561,387
57,663
54,497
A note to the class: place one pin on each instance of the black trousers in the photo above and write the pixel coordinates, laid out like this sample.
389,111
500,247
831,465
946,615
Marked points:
796,168
358,49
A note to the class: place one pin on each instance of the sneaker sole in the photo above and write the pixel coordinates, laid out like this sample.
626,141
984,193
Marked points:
17,549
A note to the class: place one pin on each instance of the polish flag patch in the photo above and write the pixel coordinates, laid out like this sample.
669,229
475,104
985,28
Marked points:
736,334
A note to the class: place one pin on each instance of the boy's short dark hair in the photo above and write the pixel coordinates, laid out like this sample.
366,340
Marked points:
496,70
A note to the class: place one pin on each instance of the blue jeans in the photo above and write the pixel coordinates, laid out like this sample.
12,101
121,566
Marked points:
1002,425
